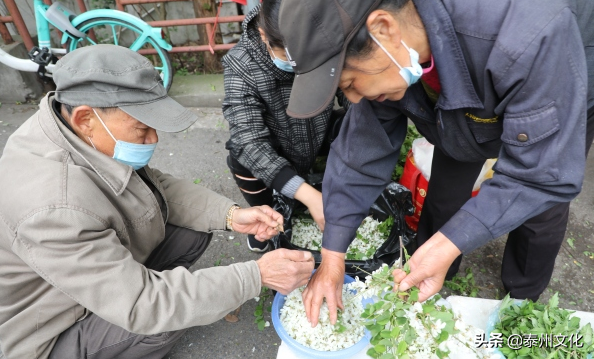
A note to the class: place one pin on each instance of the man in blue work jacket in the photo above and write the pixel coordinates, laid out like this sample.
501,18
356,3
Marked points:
507,79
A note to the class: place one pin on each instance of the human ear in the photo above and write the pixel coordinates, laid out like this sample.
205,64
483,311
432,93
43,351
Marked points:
262,35
82,120
384,27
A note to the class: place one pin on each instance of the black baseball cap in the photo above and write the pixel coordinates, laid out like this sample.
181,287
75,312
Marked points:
316,34
115,76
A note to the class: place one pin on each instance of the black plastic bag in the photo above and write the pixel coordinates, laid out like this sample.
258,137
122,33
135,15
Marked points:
395,201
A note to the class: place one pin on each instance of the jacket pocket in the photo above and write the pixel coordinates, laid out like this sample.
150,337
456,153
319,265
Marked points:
485,131
529,128
530,151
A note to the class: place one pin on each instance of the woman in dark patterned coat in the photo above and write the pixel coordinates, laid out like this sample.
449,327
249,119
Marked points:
269,150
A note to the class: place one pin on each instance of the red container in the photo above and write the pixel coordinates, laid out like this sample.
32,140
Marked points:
413,179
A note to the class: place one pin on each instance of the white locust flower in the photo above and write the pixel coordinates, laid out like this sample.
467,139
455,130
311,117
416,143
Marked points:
325,336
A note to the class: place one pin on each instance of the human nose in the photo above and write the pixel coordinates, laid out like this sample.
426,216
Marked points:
352,96
151,137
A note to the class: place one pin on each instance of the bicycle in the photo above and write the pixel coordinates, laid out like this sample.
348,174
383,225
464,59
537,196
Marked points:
92,27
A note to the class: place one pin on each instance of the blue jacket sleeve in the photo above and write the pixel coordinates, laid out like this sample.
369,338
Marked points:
359,167
542,160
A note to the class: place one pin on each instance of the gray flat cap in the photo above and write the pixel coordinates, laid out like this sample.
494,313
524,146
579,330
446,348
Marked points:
115,76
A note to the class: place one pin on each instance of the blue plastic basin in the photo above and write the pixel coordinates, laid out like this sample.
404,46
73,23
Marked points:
305,352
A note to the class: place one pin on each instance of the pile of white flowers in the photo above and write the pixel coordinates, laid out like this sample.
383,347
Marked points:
460,345
306,234
325,337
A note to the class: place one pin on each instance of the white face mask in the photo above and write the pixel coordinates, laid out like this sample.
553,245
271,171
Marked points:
410,74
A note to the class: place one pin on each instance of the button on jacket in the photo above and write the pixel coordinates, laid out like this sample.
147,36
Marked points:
74,227
514,85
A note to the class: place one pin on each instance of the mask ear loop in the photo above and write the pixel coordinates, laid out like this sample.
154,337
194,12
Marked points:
428,69
92,144
386,51
103,123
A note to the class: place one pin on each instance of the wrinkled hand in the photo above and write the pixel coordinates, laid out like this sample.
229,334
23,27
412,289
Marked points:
285,270
261,221
428,266
325,283
312,198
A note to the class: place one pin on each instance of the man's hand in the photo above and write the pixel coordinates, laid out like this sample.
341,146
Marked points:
428,266
262,221
326,283
312,198
284,270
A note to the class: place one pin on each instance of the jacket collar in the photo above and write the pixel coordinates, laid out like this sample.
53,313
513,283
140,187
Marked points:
115,174
257,49
457,90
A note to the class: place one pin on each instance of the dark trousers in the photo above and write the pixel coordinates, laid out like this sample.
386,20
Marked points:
253,190
530,250
96,338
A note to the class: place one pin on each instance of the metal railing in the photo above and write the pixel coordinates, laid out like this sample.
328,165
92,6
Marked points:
209,23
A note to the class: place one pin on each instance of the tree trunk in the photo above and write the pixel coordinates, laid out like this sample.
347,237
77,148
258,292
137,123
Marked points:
207,8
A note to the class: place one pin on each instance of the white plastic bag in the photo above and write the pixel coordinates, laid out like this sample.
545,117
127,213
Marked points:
423,156
486,173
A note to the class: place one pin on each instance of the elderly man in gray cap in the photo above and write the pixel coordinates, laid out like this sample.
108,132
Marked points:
95,245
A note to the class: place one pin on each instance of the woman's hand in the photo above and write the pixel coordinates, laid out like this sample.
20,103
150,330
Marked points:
312,198
261,221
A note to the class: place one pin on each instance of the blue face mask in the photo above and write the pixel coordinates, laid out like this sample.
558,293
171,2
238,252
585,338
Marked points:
281,64
131,154
410,74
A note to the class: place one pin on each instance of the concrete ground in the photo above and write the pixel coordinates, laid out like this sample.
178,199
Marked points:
199,154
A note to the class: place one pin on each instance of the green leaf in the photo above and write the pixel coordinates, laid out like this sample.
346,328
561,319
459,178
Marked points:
379,348
375,329
402,346
443,336
414,295
372,353
197,181
428,308
441,354
554,301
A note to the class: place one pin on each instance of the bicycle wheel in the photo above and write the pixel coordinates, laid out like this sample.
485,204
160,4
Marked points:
120,32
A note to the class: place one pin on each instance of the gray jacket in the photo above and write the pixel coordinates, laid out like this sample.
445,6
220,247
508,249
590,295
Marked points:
515,85
75,226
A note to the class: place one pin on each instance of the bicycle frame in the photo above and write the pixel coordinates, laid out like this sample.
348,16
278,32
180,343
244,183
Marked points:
44,38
